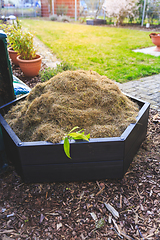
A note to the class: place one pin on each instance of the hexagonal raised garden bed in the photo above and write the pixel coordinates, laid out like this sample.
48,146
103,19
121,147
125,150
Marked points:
100,158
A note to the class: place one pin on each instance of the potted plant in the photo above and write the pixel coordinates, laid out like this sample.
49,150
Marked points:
156,40
11,31
21,49
29,61
13,55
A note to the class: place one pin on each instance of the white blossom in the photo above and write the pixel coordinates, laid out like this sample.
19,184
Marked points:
119,9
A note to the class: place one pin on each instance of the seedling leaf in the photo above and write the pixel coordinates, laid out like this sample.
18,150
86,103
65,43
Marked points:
100,223
73,129
76,136
66,147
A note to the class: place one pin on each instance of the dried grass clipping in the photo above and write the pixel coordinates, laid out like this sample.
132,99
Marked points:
72,98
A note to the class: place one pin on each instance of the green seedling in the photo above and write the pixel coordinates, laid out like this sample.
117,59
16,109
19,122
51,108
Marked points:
100,223
73,135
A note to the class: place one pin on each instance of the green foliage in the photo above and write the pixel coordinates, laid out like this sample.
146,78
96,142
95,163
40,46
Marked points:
153,11
64,18
139,11
51,72
20,40
73,135
12,31
25,47
100,223
53,17
60,18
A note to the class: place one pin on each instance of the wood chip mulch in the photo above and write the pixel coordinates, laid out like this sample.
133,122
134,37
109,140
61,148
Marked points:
127,208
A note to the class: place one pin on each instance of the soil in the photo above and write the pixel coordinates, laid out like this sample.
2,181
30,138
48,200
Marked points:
30,81
77,210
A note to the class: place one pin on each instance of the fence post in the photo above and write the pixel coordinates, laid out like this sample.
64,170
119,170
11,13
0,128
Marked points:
53,7
144,6
75,10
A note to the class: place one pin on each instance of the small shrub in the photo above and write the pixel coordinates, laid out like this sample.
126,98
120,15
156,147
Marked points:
25,45
100,223
53,17
51,72
20,40
64,18
12,31
60,18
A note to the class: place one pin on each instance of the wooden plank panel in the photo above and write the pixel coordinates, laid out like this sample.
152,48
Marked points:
80,152
72,172
135,138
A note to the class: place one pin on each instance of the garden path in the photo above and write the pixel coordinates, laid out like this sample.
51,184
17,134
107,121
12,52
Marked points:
147,88
48,57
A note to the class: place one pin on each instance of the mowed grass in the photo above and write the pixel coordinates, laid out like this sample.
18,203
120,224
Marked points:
106,50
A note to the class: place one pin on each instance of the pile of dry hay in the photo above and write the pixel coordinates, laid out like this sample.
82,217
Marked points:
72,98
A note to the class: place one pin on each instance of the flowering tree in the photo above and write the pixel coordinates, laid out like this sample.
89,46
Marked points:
95,6
119,9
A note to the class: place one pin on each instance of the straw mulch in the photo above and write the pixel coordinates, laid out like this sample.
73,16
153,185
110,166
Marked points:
72,98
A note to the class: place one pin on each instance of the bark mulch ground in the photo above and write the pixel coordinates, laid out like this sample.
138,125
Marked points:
82,210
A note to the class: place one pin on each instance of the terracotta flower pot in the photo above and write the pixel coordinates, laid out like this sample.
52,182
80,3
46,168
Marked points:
30,68
156,40
13,55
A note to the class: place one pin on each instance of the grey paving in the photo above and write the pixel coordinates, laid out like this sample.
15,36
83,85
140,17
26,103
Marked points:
149,50
147,89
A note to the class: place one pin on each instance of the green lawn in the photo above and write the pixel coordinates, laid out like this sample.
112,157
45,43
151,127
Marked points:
106,50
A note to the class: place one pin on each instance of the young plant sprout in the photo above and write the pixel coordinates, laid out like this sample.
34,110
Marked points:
73,135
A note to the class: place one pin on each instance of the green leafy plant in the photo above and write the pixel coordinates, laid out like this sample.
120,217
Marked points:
24,44
20,40
51,72
100,223
53,17
12,31
64,18
73,135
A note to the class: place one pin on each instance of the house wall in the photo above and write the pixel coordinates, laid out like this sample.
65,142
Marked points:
70,5
47,7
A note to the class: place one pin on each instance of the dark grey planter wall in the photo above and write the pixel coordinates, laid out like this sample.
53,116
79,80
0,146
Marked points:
6,78
97,159
95,21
